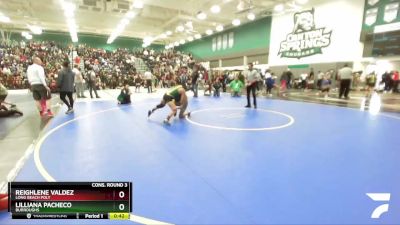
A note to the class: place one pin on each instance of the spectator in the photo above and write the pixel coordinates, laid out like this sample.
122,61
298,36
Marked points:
40,90
345,75
370,82
194,78
125,95
79,82
66,84
92,82
269,82
236,87
217,86
325,86
395,81
148,77
284,79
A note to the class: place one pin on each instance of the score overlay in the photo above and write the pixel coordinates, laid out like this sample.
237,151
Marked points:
70,200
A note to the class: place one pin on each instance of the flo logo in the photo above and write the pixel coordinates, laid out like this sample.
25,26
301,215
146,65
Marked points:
306,39
380,197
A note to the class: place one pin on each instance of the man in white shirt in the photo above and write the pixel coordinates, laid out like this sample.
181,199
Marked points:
252,77
148,77
345,75
79,82
41,92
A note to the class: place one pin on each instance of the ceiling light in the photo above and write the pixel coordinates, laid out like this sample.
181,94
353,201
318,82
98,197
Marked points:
182,42
201,16
209,32
124,21
176,43
302,2
279,8
167,47
147,39
251,16
162,36
144,45
215,9
69,13
190,38
197,36
68,6
168,32
4,19
29,37
35,29
180,28
24,33
138,4
236,22
130,15
240,6
219,28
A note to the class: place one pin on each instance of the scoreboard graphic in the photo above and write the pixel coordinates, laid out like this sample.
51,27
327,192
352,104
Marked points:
70,200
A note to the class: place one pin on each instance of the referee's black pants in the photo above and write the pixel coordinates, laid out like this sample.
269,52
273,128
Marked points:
252,89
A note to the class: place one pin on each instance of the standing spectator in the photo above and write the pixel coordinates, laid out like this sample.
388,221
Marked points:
269,82
303,78
387,79
284,78
65,82
138,82
40,90
92,82
252,77
370,82
345,75
79,82
395,81
289,76
195,77
148,77
320,76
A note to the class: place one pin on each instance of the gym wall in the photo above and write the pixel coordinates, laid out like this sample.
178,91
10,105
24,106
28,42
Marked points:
92,40
247,39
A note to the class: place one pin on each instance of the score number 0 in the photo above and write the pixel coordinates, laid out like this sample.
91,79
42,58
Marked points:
121,195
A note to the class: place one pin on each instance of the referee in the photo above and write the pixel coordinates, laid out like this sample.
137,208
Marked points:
252,77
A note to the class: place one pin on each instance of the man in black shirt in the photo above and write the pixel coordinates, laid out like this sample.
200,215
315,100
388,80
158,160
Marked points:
195,77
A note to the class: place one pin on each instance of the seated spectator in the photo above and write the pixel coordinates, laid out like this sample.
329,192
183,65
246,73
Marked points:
217,86
125,95
207,88
4,111
236,87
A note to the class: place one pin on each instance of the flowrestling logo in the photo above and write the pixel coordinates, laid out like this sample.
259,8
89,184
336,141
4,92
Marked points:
384,198
306,39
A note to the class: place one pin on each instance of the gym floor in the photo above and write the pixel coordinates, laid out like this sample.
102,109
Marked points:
285,163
